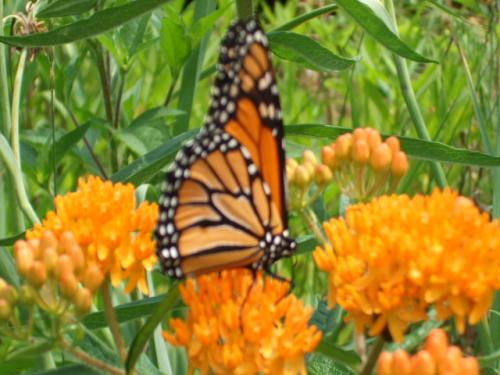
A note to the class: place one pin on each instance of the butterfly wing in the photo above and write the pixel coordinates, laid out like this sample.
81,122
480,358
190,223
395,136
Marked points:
223,204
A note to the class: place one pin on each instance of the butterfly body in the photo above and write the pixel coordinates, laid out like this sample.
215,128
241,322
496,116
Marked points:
223,204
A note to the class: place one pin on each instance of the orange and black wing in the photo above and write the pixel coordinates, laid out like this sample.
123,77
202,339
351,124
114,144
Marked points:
223,203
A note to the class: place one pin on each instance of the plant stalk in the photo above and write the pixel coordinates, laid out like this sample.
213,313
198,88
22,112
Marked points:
375,351
109,312
411,102
16,102
85,358
244,9
312,223
13,167
4,84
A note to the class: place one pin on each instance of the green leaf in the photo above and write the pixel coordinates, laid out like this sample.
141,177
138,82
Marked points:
9,241
304,50
98,23
318,364
30,351
146,166
61,8
204,24
67,141
146,331
347,357
175,43
16,366
417,148
73,370
306,244
124,313
306,17
373,17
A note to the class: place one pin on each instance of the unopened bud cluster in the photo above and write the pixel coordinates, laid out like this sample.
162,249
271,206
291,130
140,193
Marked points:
8,300
57,273
363,164
437,357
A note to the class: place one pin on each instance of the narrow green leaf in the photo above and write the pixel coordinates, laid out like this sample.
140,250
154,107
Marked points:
9,241
306,244
347,357
8,270
124,313
417,148
372,17
68,140
98,23
146,166
73,370
61,8
306,17
16,366
143,336
30,351
304,50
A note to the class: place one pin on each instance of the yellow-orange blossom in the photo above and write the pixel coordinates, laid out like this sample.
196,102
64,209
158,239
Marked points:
237,325
392,258
109,228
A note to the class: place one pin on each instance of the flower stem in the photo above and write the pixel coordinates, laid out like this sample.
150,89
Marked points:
85,358
312,223
16,100
411,101
244,9
4,84
375,351
109,312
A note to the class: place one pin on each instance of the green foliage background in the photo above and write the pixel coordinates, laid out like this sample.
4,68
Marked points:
115,87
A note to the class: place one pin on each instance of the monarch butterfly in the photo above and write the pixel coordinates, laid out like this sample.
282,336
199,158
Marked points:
223,204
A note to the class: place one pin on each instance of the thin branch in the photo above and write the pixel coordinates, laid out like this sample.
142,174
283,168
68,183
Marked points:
377,347
16,102
111,320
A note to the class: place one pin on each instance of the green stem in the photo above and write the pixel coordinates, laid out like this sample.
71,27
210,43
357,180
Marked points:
312,223
16,102
411,101
4,84
484,333
244,9
13,167
377,347
109,312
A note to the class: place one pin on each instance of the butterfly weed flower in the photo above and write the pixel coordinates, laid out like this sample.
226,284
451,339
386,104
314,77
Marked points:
436,357
391,259
114,235
240,325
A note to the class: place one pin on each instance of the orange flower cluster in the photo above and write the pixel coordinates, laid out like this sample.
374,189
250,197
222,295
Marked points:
436,358
240,325
55,268
363,163
390,259
111,231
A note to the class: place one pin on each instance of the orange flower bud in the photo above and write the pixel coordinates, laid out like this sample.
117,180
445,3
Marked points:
292,163
393,144
3,283
24,259
323,175
310,167
34,246
77,257
5,309
328,156
50,258
360,151
26,294
359,134
343,146
302,177
8,293
399,164
83,300
374,139
48,240
310,157
67,240
470,366
451,363
93,277
381,158
290,173
423,364
436,344
401,363
384,365
37,274
68,284
64,264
